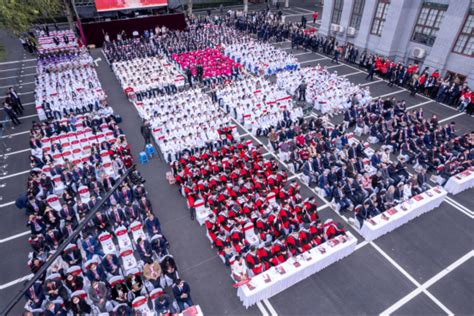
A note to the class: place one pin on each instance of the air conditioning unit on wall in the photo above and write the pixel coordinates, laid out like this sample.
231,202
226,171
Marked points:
351,31
334,27
419,53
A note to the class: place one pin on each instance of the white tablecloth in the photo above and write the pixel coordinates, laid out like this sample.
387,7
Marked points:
385,222
280,282
460,182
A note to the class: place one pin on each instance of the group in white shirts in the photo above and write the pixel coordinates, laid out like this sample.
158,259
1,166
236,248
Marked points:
258,104
148,75
261,58
185,122
328,93
68,86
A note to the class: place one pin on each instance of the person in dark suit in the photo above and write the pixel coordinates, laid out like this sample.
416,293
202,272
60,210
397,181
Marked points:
54,309
144,250
164,305
96,272
35,295
422,180
11,113
111,264
152,224
371,72
182,294
15,99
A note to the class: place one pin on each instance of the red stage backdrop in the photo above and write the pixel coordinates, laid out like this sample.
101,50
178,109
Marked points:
110,5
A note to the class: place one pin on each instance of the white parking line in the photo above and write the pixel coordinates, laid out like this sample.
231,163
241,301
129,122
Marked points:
24,104
262,309
409,277
15,236
13,69
17,152
16,134
19,76
303,9
419,104
21,117
369,83
296,14
7,204
299,54
353,73
459,207
18,84
362,244
310,61
428,283
17,61
270,307
340,65
451,117
388,94
14,174
19,280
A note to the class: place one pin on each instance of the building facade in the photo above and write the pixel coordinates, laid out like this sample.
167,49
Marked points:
433,33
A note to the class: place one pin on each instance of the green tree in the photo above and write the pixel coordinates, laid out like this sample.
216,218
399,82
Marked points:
19,15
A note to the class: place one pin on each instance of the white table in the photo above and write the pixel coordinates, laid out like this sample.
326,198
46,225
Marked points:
460,182
280,282
404,212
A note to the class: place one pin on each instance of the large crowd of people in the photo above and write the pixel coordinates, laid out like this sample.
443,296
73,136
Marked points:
328,93
422,142
148,76
120,261
255,217
258,104
261,58
258,219
185,122
67,83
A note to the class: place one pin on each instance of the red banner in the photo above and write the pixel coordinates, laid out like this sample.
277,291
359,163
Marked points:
110,5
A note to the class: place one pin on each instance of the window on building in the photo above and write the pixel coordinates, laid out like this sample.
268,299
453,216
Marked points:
465,42
427,25
337,11
357,10
380,16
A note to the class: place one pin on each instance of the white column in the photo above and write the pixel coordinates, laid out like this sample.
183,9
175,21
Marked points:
246,6
287,3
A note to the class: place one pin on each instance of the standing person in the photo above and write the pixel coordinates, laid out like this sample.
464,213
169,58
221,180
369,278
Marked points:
15,106
315,16
23,43
146,132
15,98
371,72
189,75
11,114
303,21
302,92
337,53
199,72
